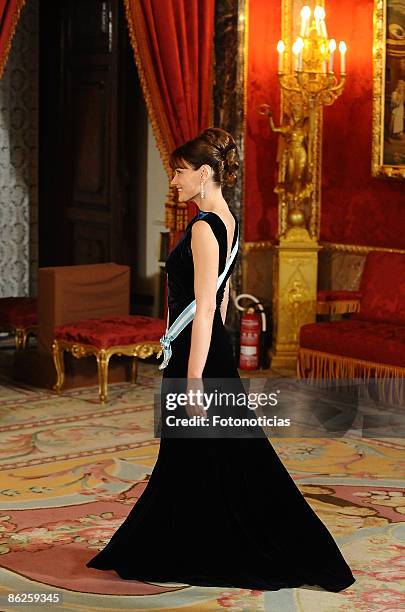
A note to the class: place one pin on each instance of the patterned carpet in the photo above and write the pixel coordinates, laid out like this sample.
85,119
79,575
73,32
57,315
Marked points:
71,470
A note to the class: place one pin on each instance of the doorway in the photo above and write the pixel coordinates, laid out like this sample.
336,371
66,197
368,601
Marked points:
93,138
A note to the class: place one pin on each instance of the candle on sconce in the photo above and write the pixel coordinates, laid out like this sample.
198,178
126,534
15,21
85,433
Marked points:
342,49
322,22
280,49
322,49
300,47
318,12
332,49
313,71
296,49
305,17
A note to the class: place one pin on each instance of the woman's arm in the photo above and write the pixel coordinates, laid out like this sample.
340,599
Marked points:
225,300
205,250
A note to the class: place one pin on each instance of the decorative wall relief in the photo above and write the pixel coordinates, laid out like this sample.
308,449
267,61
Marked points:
19,160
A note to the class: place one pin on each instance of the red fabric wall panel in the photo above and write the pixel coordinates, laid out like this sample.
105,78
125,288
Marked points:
356,208
261,204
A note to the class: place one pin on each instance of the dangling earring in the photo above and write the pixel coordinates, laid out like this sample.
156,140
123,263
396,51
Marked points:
202,192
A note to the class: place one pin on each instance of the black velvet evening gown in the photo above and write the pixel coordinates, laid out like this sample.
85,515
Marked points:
220,512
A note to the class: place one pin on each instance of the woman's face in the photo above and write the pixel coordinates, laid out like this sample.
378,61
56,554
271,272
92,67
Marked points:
188,182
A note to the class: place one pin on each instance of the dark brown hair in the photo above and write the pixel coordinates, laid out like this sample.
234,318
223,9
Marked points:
214,147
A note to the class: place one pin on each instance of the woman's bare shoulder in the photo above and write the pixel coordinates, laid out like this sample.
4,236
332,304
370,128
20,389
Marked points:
204,241
202,227
203,232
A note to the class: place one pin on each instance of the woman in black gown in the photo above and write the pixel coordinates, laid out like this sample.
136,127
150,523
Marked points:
216,511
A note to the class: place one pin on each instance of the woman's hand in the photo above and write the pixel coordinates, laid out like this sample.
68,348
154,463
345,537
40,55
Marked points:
194,391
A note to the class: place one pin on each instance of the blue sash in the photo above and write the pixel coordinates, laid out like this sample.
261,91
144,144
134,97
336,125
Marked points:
188,315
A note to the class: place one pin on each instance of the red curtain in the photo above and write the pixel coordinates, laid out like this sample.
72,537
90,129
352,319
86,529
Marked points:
173,47
9,16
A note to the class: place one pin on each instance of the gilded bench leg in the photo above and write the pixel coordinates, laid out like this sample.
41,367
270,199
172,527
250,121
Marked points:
102,365
59,366
24,340
134,370
19,338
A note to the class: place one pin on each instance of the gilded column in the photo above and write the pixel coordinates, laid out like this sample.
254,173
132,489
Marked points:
295,288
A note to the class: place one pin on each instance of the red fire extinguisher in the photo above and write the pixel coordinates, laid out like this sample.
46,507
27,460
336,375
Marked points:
253,334
250,334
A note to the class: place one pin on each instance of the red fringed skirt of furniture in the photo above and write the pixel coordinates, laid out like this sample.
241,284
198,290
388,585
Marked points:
372,342
136,336
18,315
337,302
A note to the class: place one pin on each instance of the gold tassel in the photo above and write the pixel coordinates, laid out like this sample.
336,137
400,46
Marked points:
337,307
317,365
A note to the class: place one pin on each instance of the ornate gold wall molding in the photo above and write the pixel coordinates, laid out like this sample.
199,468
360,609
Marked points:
357,248
263,245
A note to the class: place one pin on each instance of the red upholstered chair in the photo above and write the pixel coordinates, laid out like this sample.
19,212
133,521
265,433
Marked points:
18,315
133,335
371,343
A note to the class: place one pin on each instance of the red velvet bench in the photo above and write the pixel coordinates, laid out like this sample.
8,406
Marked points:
132,335
18,315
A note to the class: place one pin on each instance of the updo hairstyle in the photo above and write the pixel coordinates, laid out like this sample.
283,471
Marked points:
214,147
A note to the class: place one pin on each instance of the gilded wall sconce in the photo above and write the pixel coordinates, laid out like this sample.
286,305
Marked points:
308,80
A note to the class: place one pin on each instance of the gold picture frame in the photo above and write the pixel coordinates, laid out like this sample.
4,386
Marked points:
388,142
